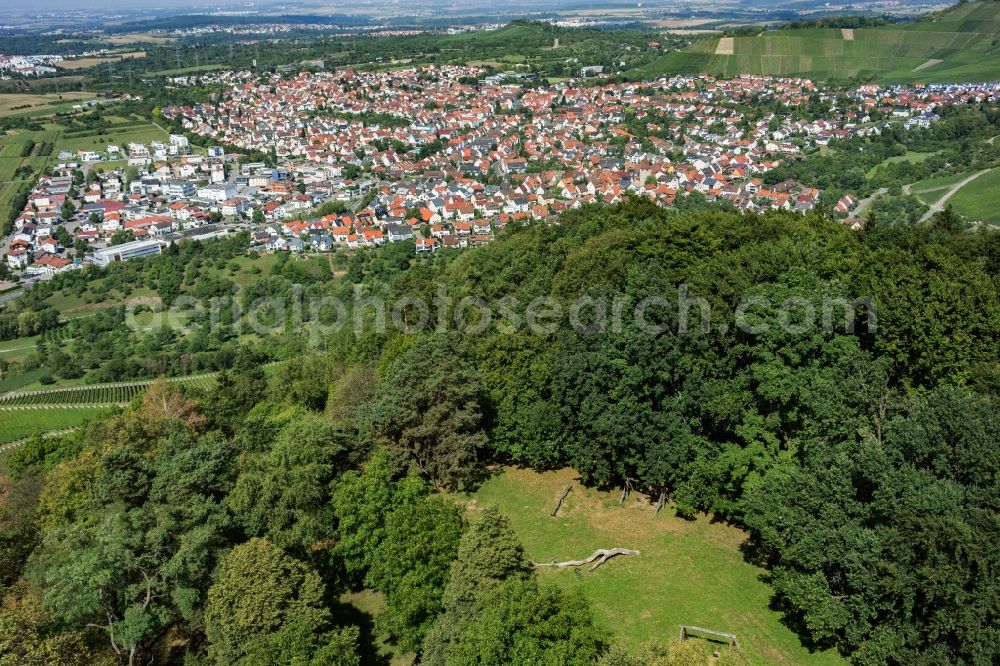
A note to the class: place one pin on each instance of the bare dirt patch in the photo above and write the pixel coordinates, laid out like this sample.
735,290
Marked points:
138,38
727,46
689,31
82,63
848,34
929,63
674,24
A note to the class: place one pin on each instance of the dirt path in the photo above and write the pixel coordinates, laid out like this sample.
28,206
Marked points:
14,349
10,446
939,205
862,206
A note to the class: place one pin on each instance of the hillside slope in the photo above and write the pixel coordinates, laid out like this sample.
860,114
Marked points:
960,44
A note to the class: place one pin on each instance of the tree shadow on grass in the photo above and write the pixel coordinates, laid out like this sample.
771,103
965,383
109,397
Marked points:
793,619
368,648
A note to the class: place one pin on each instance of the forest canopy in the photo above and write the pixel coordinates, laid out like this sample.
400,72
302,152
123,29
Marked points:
219,527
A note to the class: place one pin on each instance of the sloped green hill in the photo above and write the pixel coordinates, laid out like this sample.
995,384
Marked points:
959,44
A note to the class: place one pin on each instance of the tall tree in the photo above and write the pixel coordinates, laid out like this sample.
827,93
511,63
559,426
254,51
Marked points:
880,545
19,526
237,392
362,503
427,411
27,637
139,557
283,494
412,563
521,622
268,608
488,555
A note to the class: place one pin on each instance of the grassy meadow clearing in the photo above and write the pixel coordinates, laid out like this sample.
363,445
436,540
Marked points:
688,572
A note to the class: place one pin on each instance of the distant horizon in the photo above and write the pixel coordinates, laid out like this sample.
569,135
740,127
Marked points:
14,6
120,5
111,4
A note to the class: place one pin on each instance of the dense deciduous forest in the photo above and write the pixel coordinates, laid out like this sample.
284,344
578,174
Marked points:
857,451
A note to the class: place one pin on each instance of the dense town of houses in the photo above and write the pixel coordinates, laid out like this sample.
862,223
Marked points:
280,27
470,153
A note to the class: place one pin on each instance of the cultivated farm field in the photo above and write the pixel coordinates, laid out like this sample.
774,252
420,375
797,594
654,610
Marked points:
979,201
84,63
95,394
99,140
24,413
957,45
15,103
17,424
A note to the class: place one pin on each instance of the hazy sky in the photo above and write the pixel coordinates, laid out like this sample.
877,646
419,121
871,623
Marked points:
113,4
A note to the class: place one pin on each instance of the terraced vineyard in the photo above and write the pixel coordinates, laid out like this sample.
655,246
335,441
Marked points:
17,424
26,413
74,396
95,394
957,45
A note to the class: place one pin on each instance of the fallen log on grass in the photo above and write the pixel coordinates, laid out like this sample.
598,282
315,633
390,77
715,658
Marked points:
598,557
561,499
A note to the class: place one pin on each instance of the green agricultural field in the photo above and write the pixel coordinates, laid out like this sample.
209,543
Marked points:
18,382
62,107
99,141
979,201
939,183
931,197
688,572
12,145
109,394
8,165
8,190
957,45
20,423
17,104
33,383
96,394
69,304
930,191
17,349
